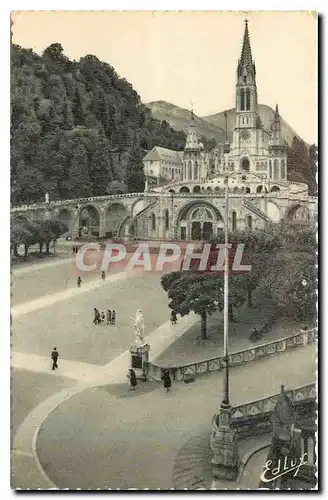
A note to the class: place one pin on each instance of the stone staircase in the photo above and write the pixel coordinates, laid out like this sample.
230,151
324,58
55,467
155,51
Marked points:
256,210
192,468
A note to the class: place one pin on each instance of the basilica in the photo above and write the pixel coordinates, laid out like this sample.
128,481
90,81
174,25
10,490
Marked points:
255,163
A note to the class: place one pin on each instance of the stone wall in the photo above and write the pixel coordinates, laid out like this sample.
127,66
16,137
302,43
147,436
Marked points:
181,373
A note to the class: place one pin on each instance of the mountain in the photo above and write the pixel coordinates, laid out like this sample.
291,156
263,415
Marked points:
213,126
179,119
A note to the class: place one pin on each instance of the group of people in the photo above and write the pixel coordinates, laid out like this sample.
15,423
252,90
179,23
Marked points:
79,279
101,318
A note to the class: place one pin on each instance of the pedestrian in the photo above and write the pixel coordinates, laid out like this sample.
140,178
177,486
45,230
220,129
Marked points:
79,281
103,275
173,317
167,380
54,357
96,319
113,317
109,316
103,317
133,379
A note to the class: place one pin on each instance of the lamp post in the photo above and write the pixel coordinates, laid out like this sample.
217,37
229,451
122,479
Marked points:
225,401
224,439
304,285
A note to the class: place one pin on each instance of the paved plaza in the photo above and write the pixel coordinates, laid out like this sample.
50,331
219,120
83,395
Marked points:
93,432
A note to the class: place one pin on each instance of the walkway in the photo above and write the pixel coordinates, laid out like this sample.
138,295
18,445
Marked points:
107,437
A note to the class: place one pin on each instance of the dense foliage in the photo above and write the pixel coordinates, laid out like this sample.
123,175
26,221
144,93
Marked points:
283,270
302,164
28,234
77,128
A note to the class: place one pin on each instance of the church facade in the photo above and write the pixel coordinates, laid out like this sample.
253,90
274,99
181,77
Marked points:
190,205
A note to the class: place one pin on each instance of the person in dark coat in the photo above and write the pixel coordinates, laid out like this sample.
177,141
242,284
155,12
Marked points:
103,317
167,380
109,316
79,281
113,317
54,357
96,319
133,379
173,318
103,275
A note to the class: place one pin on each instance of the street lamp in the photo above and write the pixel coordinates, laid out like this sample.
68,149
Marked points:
304,284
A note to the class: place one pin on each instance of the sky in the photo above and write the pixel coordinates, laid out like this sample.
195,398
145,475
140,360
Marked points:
191,56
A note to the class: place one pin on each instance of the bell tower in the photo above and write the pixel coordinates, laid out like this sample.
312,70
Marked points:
246,91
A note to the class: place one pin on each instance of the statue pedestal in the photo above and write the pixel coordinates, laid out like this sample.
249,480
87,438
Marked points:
139,356
224,447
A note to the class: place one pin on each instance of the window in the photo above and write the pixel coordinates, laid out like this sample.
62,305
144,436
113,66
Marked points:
153,222
270,169
167,222
249,222
248,190
276,169
234,221
196,170
248,100
242,99
245,164
189,170
283,170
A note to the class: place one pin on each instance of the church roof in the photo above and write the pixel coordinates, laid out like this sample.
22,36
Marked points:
158,153
246,53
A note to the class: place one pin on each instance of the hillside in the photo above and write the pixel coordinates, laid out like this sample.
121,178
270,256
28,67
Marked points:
77,128
179,119
212,126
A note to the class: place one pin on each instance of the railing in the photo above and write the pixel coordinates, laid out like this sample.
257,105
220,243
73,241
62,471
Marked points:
232,194
266,405
180,373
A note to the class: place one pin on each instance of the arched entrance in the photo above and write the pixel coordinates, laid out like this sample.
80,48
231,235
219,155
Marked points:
65,217
114,216
196,189
89,221
199,222
275,189
184,189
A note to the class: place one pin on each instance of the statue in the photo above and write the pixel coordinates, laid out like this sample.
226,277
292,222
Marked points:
47,197
139,327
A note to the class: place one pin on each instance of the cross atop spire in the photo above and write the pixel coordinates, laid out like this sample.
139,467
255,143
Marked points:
246,53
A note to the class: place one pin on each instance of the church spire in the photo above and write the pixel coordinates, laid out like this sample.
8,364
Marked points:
246,53
276,125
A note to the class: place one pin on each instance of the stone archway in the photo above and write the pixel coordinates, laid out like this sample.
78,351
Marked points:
196,189
298,213
113,219
275,189
89,221
245,165
184,190
198,221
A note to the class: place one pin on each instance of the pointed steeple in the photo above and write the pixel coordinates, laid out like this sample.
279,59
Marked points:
276,125
246,53
192,139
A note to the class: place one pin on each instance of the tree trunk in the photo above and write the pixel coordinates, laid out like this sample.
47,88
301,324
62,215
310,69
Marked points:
41,247
47,247
249,298
230,313
16,249
204,325
26,247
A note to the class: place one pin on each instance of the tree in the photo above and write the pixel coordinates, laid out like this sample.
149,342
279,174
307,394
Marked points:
79,184
116,187
135,176
189,291
101,168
